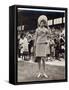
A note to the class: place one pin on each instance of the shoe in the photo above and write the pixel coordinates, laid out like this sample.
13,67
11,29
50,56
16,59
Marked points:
39,75
45,75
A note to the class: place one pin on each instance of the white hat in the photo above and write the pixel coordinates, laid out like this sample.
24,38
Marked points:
42,17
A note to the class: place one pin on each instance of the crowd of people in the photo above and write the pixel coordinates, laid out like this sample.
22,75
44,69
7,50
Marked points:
56,45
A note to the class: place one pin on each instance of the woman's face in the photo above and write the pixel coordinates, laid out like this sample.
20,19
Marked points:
42,24
22,36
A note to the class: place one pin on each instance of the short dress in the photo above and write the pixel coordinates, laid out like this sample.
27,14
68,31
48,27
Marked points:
42,43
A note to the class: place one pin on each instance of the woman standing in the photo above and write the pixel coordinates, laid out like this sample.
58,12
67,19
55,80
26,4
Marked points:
41,44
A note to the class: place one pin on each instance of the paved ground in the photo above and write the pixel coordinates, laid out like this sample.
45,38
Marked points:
27,71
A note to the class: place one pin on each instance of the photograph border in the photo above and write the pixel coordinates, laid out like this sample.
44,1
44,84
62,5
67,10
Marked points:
15,44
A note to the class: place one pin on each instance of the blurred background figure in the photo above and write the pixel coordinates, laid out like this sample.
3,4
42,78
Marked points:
52,49
62,46
30,44
57,46
23,46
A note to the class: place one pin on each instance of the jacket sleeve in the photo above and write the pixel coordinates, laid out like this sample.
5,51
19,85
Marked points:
36,35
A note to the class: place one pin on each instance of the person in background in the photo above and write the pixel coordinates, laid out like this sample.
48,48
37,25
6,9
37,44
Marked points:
52,49
57,46
18,39
24,46
62,45
21,45
30,44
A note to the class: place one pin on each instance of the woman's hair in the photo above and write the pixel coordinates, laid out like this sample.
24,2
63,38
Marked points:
22,35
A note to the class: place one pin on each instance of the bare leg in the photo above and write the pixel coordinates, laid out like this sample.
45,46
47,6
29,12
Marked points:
39,66
43,65
44,74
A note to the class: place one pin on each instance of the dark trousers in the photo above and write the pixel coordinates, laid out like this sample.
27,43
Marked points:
56,53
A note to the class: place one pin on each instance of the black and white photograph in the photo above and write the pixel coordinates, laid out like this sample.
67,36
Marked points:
41,44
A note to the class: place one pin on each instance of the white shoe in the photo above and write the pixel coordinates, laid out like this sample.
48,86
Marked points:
45,75
39,75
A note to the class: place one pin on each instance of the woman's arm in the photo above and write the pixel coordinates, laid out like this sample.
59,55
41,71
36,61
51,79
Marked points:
36,36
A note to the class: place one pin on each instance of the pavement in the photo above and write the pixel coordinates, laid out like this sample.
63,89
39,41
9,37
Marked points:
28,70
53,62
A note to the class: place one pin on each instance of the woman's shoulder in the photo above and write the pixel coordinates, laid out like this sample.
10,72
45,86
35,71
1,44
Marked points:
37,29
21,40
